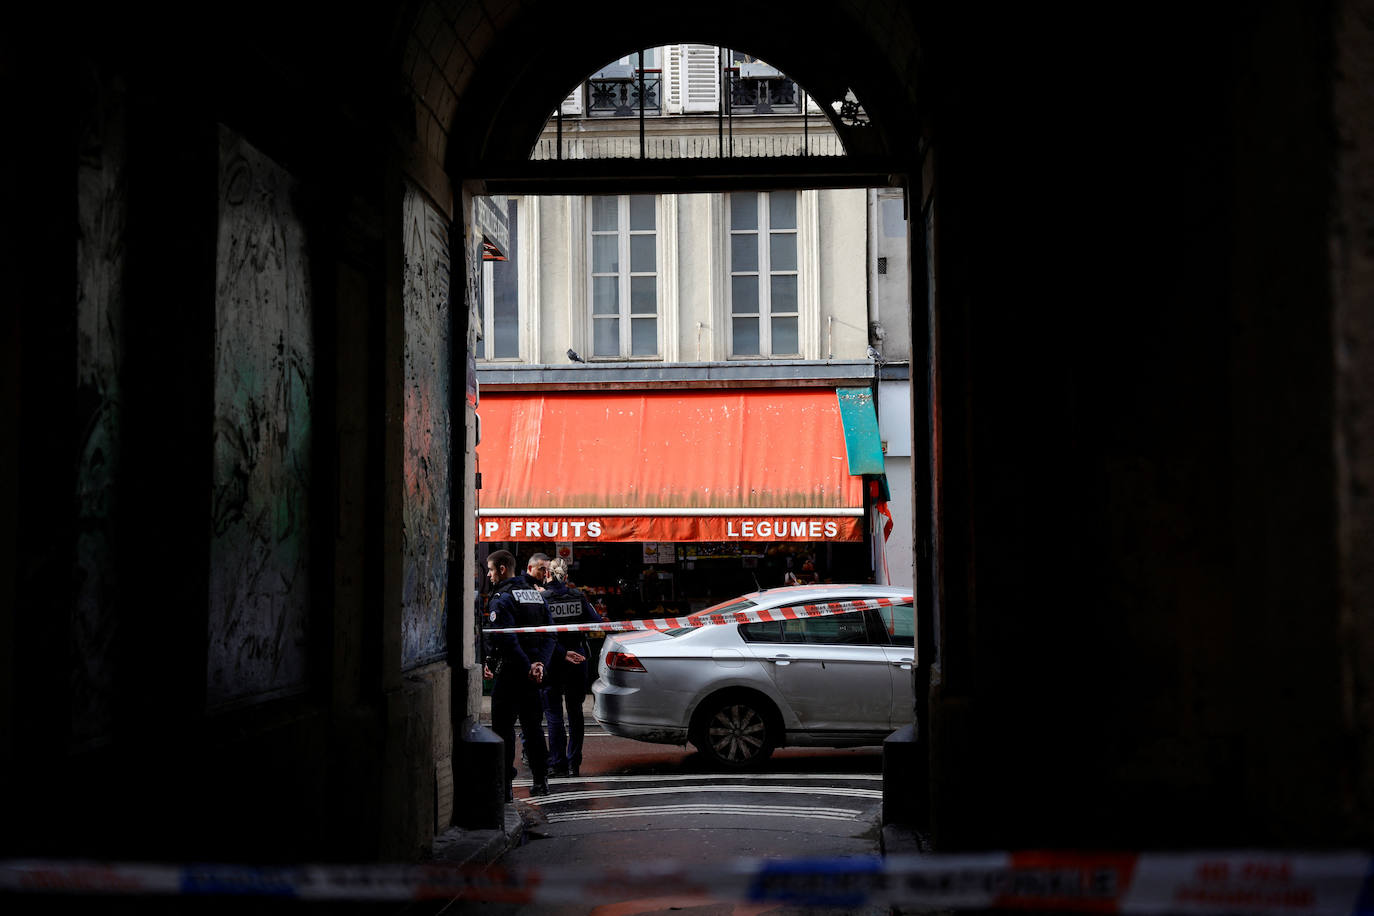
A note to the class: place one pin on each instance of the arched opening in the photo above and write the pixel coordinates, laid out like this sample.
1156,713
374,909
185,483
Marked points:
512,148
681,100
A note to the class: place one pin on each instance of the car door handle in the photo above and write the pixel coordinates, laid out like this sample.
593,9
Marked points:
781,660
904,664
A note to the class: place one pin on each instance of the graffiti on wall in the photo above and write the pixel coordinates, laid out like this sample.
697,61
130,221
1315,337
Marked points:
264,370
428,449
102,206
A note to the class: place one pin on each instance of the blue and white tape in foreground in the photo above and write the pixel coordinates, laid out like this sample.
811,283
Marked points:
1207,882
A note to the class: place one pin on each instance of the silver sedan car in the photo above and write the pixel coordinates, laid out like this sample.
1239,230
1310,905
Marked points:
738,690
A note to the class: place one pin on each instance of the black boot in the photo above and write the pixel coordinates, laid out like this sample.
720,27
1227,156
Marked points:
539,788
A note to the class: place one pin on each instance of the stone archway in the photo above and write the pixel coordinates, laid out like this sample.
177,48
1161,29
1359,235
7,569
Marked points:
1152,463
485,78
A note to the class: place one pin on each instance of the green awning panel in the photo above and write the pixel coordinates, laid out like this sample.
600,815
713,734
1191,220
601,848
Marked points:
863,447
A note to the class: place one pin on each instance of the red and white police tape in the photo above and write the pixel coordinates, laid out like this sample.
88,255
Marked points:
1338,883
762,615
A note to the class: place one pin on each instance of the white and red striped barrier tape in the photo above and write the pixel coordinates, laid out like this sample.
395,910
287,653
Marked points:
1204,882
763,615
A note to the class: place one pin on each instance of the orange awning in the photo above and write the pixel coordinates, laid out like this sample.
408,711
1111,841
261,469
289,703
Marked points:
700,465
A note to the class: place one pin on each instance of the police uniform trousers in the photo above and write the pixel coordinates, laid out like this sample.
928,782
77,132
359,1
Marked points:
516,696
567,687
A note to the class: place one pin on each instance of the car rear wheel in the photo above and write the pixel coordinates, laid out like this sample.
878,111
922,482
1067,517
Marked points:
734,732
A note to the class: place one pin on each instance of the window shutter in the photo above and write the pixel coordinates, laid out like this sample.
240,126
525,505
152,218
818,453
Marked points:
572,105
701,69
672,79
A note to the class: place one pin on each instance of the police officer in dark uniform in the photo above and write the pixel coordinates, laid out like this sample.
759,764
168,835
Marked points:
521,662
567,679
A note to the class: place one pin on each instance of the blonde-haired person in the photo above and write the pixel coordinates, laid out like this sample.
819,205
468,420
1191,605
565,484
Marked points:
566,684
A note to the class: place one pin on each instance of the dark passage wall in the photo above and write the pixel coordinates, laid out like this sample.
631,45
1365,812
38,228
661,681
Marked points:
264,387
1143,632
228,454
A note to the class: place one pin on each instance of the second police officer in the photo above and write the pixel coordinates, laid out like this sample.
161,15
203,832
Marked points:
521,663
567,678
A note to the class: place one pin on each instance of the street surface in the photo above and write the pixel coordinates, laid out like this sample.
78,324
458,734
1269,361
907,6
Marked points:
637,803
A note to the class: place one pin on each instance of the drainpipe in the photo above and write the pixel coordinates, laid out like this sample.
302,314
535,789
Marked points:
876,331
875,326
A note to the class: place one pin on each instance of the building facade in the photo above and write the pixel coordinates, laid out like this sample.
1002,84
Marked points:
740,298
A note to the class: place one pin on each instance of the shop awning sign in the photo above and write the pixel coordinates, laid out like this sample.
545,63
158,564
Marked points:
669,465
674,528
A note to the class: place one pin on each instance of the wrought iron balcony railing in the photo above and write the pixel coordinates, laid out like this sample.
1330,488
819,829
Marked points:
619,97
767,94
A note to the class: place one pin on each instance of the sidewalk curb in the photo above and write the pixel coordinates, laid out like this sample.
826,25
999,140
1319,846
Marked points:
457,846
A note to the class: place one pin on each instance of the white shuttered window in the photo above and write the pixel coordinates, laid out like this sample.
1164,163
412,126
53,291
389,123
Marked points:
672,79
572,105
693,78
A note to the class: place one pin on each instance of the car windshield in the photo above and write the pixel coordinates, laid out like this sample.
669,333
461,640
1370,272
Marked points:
725,607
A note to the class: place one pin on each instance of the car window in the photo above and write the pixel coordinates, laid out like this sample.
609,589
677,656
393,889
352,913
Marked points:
835,630
832,630
762,632
899,624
